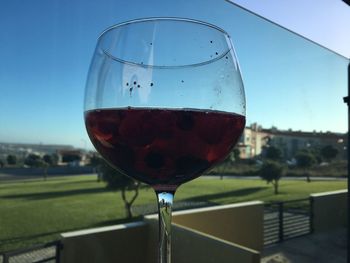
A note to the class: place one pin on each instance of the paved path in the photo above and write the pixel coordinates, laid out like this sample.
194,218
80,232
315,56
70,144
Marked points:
33,256
313,178
10,178
330,247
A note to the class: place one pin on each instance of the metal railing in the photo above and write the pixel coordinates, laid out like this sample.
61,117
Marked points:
49,252
286,220
282,221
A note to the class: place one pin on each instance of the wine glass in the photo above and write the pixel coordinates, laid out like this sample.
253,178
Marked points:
164,102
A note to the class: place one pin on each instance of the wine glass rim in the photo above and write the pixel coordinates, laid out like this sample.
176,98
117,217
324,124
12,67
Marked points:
149,19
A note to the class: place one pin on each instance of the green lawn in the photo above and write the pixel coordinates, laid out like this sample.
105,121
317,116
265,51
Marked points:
36,211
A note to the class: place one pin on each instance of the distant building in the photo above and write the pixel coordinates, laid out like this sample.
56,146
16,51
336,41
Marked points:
255,138
72,157
21,150
252,141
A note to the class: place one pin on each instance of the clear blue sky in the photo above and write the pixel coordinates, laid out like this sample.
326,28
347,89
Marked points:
323,21
46,47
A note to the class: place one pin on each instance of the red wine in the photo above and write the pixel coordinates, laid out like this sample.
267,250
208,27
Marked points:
164,147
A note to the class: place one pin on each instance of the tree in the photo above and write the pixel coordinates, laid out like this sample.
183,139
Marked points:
273,153
11,159
35,161
117,181
236,154
45,166
95,162
51,159
272,172
305,160
316,152
2,164
48,159
54,158
329,152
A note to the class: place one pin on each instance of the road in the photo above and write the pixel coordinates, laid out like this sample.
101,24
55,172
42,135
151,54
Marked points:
313,178
9,177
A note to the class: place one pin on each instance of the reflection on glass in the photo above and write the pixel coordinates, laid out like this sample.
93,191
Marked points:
164,103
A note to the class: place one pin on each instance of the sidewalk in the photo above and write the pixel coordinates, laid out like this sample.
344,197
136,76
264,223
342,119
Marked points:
314,248
34,256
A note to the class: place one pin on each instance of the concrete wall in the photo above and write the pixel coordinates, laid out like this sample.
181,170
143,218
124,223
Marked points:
329,210
193,239
194,246
220,234
189,245
120,243
240,223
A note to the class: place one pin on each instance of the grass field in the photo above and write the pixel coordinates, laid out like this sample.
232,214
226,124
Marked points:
36,211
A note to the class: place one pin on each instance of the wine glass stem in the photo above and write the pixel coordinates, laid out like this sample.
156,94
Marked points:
165,204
